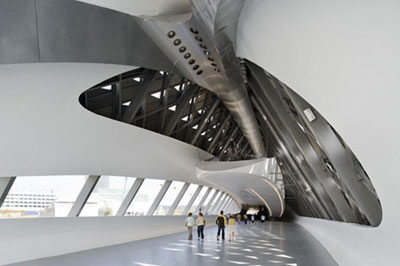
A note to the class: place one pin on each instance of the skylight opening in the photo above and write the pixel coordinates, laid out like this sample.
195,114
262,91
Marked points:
210,139
177,87
107,88
200,111
185,118
203,133
127,103
137,79
196,126
156,95
214,126
172,108
309,114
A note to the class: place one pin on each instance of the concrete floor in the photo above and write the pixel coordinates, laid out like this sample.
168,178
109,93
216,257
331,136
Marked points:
270,243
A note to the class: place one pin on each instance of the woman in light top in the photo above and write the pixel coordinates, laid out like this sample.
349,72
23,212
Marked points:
200,222
189,223
231,223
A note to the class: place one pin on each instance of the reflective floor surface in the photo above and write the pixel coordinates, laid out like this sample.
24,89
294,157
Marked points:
270,243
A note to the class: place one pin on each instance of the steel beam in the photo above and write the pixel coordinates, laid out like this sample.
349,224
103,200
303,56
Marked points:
183,102
285,144
202,200
139,97
116,100
159,197
166,85
203,123
83,196
129,197
178,199
205,211
228,141
5,186
191,201
216,136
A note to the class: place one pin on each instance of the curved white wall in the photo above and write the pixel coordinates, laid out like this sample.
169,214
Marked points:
249,180
343,58
47,132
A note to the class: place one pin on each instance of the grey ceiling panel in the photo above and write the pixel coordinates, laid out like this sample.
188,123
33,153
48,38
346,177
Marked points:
18,32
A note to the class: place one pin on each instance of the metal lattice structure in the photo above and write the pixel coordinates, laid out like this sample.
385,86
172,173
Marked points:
168,104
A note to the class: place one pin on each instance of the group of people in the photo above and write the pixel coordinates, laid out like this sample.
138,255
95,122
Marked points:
221,222
252,218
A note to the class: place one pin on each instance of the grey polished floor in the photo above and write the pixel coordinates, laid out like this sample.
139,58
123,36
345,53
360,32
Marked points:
271,243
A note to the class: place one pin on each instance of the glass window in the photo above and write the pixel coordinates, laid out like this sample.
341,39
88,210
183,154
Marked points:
60,191
107,196
169,198
145,197
209,198
185,200
216,202
198,199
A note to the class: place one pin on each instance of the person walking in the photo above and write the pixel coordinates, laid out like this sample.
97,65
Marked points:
262,218
221,222
231,228
200,222
239,218
245,218
252,218
189,223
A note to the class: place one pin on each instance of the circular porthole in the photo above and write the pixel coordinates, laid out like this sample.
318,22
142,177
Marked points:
194,30
177,42
171,34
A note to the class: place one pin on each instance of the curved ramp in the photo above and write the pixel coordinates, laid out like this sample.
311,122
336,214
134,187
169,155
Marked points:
248,180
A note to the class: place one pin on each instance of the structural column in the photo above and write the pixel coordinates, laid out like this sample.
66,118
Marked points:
226,203
202,200
178,199
196,193
219,203
83,196
205,211
212,210
159,197
5,186
129,197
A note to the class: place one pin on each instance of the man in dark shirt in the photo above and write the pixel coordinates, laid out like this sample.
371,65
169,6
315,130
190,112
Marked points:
221,222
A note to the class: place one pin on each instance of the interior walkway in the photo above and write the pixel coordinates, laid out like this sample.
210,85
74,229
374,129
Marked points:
270,243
